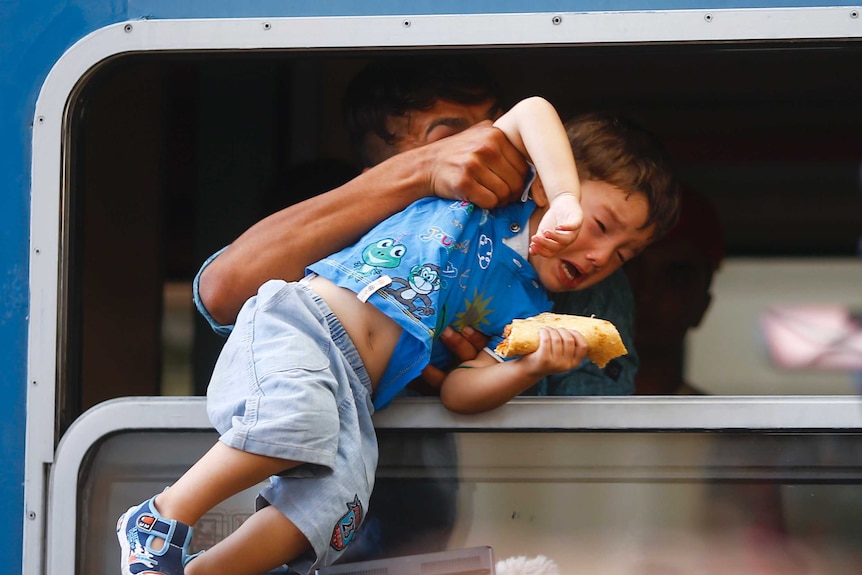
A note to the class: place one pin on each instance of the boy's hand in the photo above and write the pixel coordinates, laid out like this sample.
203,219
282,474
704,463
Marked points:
559,350
559,226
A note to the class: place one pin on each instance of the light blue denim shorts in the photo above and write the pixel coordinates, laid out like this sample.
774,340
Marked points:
289,383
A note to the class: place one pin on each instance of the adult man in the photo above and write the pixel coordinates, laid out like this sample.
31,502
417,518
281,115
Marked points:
421,126
479,165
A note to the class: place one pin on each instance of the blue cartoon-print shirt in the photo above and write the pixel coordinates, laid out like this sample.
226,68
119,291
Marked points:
439,263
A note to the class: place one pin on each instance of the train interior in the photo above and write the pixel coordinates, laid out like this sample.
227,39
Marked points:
173,155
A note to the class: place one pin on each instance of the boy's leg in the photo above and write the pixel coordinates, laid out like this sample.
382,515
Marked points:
265,541
222,472
145,529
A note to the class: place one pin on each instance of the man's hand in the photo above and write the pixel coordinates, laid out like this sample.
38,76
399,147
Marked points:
478,165
465,345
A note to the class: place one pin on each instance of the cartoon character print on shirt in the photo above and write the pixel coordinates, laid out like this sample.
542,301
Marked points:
385,253
345,528
413,292
485,251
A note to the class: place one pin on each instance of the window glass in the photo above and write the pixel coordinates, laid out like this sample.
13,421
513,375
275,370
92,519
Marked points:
606,502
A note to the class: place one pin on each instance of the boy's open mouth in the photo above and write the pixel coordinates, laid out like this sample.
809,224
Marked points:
571,274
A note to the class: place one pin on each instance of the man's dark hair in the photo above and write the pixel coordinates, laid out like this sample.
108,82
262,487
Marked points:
393,87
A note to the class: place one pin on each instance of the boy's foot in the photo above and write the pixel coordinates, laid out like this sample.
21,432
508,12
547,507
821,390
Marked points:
142,526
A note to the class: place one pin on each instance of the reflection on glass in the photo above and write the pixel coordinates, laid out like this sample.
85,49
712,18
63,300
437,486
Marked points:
814,337
627,503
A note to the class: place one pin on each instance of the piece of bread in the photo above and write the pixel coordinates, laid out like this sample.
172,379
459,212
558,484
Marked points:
522,336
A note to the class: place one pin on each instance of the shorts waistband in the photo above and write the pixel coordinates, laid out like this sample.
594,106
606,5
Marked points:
339,336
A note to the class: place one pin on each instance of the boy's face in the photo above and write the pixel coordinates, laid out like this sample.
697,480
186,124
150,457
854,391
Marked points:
611,235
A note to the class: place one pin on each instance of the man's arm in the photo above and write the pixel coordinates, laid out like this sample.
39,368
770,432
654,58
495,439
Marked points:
479,165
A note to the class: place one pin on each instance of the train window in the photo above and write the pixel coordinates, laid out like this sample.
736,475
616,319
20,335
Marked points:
173,155
165,153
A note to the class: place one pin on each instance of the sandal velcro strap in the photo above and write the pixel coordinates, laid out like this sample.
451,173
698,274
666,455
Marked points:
173,532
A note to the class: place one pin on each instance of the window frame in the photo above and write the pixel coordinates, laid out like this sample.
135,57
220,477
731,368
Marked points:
50,167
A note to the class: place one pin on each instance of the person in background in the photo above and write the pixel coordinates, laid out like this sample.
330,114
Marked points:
672,281
416,157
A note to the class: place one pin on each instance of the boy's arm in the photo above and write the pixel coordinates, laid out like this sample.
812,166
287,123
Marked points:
479,165
484,383
535,128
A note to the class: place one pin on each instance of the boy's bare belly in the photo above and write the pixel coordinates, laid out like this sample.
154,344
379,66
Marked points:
373,333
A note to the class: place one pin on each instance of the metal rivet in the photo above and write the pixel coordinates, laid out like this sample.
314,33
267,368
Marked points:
38,251
41,119
854,13
127,28
267,26
31,515
406,23
707,17
557,20
514,227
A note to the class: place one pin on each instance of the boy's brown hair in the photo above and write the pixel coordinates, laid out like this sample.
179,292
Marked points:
616,150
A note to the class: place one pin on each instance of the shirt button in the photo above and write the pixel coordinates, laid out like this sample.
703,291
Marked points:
514,227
